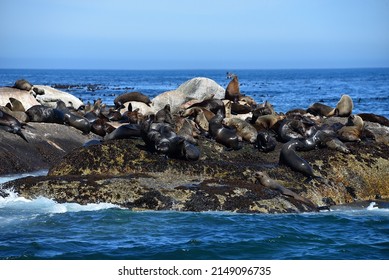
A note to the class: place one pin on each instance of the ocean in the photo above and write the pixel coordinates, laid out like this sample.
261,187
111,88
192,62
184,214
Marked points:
43,229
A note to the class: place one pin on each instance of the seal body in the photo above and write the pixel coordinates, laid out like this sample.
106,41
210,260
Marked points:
23,85
11,124
223,135
41,113
319,109
344,107
289,157
232,90
130,96
266,142
243,129
266,181
353,129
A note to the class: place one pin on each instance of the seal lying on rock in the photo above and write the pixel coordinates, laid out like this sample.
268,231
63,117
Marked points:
130,96
23,85
289,157
11,124
223,135
266,181
353,129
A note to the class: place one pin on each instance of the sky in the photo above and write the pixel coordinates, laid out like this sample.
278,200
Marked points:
199,34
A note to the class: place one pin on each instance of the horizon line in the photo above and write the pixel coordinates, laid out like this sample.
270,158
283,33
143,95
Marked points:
197,69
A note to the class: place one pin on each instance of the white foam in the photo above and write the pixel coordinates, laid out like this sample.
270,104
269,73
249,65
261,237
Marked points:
46,205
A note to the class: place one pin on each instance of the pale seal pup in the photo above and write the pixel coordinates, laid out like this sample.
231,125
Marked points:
344,107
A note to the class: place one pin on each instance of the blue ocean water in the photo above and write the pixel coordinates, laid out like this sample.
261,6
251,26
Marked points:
44,229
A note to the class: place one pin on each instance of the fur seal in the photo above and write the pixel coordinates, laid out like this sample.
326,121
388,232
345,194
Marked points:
126,131
16,105
267,121
352,131
289,158
164,116
243,128
199,117
213,105
130,96
344,107
319,109
41,113
223,135
374,118
73,120
266,181
23,85
11,124
232,91
237,108
265,141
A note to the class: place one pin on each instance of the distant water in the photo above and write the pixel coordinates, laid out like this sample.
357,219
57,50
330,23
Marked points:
44,229
285,89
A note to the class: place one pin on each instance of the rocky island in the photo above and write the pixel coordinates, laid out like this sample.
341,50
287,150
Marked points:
185,150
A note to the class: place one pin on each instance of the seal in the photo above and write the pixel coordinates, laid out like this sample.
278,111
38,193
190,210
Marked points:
74,120
130,96
23,85
344,107
243,128
352,131
223,135
266,181
126,131
16,105
267,121
237,108
11,124
374,118
232,90
199,117
265,141
289,157
213,105
41,113
319,109
164,116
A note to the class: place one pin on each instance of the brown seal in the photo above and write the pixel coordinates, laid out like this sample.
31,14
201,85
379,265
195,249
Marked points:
232,90
23,85
344,107
243,128
266,181
267,121
352,130
130,96
319,109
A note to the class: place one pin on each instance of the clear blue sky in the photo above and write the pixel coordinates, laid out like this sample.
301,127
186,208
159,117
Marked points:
183,34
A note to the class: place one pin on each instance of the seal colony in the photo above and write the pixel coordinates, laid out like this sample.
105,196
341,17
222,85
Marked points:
178,130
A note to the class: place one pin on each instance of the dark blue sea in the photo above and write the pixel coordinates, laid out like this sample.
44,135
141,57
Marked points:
44,229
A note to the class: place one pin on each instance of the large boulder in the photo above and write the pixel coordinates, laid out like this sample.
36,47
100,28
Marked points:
202,89
23,96
198,89
52,95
